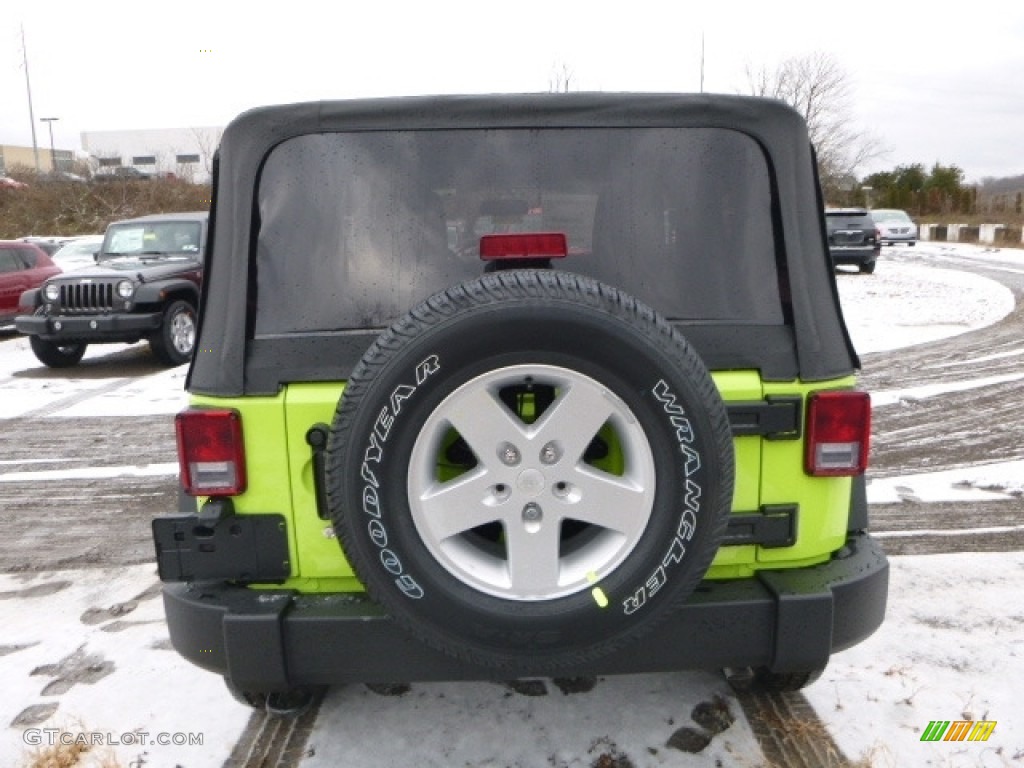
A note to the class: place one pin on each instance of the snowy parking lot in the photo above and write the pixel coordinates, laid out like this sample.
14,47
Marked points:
84,649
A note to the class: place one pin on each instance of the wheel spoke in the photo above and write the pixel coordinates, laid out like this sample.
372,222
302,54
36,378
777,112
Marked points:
533,557
458,505
484,423
615,503
574,419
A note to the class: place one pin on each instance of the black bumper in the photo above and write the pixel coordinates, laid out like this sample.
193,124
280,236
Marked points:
89,328
277,639
854,256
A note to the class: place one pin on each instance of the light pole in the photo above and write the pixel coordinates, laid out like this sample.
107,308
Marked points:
867,196
53,153
28,87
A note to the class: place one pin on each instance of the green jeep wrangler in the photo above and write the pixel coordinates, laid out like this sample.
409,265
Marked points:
490,387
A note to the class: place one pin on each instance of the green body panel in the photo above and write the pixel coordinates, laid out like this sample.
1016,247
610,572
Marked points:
768,472
741,386
824,501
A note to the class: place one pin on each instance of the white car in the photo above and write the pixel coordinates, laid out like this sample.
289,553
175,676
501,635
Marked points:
78,252
894,226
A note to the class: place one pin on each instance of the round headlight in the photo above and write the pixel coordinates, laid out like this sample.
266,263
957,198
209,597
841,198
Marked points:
125,289
51,292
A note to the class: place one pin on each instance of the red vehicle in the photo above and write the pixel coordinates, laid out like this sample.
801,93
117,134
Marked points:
23,266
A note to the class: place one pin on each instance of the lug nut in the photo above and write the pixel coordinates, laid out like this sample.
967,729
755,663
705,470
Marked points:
509,454
532,513
550,453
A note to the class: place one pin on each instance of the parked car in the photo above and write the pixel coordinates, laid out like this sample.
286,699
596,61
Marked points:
78,252
121,173
894,226
145,285
621,434
23,267
49,243
852,238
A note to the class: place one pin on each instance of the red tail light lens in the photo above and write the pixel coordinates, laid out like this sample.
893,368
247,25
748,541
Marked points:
524,245
211,452
838,433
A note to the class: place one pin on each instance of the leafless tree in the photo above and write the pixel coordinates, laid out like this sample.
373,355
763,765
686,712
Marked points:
818,88
561,78
207,140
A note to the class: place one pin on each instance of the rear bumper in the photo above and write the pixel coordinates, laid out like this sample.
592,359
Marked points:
277,639
854,255
89,328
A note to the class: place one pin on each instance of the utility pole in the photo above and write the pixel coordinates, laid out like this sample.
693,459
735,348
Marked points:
53,153
702,61
28,87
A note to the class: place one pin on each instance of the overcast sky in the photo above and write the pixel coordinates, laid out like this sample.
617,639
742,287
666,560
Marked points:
933,85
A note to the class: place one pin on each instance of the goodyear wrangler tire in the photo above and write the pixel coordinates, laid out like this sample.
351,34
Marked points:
530,470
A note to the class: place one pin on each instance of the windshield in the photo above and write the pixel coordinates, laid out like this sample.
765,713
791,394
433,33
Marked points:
356,228
152,238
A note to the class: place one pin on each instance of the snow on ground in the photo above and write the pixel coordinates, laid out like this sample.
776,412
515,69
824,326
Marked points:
486,725
93,641
894,396
997,481
904,304
951,648
111,380
91,645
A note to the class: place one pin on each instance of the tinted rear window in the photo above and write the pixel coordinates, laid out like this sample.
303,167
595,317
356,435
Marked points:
356,228
849,220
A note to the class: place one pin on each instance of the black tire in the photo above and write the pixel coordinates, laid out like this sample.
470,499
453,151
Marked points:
782,682
254,699
175,340
868,267
525,339
285,704
57,355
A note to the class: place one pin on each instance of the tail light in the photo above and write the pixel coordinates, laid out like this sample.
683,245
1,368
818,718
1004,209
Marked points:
524,245
838,433
211,452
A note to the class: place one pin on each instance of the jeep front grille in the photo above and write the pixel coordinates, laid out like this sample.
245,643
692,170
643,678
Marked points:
87,297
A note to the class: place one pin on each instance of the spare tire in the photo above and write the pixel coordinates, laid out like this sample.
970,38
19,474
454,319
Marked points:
530,470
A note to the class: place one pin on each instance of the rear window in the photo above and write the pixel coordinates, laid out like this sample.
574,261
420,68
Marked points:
16,259
849,220
887,215
9,261
356,228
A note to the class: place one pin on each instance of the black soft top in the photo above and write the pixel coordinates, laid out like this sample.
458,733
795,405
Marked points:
812,343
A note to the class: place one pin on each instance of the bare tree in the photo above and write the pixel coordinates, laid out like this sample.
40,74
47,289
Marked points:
207,140
818,88
560,79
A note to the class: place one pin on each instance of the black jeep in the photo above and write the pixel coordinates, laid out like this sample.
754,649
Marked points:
500,386
145,285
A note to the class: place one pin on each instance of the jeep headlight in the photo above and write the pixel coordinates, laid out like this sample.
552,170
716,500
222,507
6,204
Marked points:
51,292
125,289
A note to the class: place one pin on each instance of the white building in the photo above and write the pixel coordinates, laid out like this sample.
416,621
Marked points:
184,152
